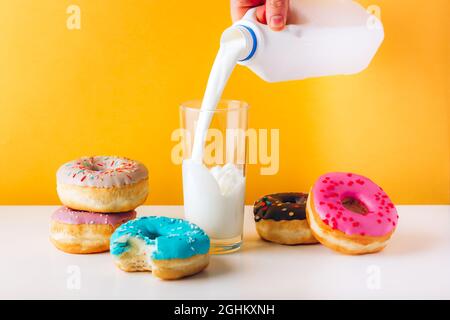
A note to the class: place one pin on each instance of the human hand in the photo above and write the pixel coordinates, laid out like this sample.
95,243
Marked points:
271,12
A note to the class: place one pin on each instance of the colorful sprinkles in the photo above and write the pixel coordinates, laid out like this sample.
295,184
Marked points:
281,206
102,171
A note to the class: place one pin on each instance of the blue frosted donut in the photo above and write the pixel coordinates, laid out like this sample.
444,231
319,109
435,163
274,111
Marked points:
170,248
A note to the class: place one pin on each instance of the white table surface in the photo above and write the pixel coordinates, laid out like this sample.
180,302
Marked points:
416,264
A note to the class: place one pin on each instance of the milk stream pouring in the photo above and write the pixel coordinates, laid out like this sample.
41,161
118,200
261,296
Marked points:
214,197
322,38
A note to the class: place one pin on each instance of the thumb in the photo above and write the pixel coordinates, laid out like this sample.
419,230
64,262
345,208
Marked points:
276,13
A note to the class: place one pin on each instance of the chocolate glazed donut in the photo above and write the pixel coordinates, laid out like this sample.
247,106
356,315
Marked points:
281,218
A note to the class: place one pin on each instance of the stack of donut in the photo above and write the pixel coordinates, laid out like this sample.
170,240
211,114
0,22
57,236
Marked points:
346,212
98,195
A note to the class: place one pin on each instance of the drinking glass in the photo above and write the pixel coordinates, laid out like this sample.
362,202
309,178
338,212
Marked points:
214,175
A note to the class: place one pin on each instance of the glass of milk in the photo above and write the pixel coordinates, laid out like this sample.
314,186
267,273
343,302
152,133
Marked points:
214,155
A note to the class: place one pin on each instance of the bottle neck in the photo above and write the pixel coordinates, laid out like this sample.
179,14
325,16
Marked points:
246,36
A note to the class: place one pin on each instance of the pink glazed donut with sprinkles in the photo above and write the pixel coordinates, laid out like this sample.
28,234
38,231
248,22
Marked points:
350,214
102,184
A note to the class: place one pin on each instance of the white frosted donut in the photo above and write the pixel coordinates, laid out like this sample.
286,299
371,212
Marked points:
102,184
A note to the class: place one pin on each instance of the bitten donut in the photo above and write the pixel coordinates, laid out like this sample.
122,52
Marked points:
350,214
102,184
169,248
281,218
84,232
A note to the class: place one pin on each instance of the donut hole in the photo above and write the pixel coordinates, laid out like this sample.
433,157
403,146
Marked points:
293,198
354,205
152,235
95,168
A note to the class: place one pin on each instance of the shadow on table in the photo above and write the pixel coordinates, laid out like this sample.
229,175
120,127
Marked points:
399,244
217,267
407,243
255,243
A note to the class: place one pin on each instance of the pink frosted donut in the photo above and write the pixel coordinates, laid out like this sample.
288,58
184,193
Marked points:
351,214
75,231
102,184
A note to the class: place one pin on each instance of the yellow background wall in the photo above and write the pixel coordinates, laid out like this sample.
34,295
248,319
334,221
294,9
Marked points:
114,87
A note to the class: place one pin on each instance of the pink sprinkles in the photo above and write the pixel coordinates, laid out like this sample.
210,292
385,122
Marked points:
330,190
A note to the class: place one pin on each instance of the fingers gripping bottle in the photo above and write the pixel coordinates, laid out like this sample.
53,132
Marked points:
322,38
